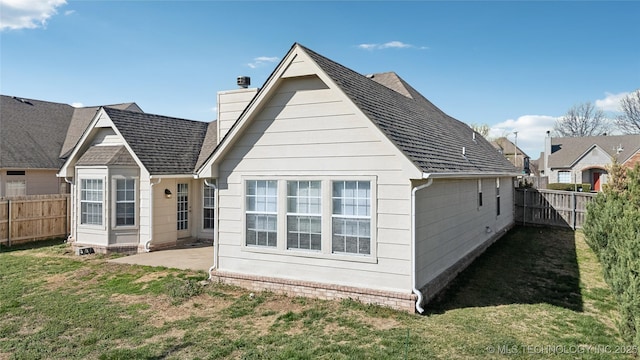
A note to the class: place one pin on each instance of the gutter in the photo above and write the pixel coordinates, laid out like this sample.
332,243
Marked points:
72,218
216,246
147,245
414,289
475,175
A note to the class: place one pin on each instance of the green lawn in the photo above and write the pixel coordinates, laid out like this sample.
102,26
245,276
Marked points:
537,293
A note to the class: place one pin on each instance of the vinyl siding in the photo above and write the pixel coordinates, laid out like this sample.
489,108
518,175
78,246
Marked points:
307,132
450,224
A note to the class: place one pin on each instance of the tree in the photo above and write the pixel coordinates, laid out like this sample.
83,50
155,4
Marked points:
582,120
482,129
629,121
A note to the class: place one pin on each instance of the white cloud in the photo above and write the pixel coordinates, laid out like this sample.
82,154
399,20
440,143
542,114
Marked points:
77,104
390,45
611,102
531,129
27,14
262,60
69,12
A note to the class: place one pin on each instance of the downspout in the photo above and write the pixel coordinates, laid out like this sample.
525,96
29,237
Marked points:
215,228
72,207
413,245
147,245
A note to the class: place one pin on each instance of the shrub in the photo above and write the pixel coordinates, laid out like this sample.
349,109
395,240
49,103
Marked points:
569,187
612,230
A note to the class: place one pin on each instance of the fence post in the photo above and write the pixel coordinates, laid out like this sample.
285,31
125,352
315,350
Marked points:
9,223
524,207
574,210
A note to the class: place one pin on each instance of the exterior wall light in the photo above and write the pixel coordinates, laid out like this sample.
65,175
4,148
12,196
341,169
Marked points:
167,193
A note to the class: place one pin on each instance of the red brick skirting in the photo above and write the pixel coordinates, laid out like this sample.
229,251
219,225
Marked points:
395,300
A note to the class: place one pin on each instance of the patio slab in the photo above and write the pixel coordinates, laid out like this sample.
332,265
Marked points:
189,258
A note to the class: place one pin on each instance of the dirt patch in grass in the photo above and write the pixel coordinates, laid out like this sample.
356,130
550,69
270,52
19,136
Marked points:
152,276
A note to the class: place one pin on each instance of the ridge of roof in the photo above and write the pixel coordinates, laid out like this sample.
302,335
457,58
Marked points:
434,141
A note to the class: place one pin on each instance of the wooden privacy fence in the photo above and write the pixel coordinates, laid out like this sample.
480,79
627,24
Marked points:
34,217
551,207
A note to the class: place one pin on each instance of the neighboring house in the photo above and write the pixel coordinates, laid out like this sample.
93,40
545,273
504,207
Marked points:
34,135
585,159
515,155
334,184
133,182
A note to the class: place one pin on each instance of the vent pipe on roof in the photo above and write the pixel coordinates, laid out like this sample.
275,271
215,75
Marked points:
243,81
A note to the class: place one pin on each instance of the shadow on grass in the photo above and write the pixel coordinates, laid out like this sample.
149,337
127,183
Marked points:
529,265
32,245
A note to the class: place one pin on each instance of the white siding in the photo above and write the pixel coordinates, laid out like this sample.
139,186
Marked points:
307,131
450,224
106,136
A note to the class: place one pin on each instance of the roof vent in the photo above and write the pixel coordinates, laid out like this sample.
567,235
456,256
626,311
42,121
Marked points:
244,81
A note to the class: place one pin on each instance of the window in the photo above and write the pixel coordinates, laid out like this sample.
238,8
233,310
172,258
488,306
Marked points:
16,188
351,220
262,212
564,177
208,205
91,198
125,202
304,220
497,196
479,192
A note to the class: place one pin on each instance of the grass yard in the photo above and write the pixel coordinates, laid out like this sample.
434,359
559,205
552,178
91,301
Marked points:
537,293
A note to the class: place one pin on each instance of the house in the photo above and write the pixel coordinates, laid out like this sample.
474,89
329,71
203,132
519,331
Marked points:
585,159
334,184
515,155
133,182
34,136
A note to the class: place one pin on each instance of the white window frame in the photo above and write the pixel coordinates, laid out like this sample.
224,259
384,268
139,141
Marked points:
347,217
116,202
83,191
301,215
208,205
480,199
498,209
561,177
262,217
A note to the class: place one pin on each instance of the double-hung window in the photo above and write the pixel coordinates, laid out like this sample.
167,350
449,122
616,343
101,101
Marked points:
91,200
564,177
479,193
304,219
351,219
125,202
208,205
261,212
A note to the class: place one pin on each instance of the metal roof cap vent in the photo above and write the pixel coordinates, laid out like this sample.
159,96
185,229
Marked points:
244,81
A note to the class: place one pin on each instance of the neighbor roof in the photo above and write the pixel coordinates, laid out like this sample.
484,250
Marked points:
32,132
35,134
431,139
567,150
164,145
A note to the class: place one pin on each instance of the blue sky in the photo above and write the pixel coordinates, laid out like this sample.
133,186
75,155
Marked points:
514,65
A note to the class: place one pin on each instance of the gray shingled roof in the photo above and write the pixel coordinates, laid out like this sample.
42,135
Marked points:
106,155
209,144
81,119
566,150
431,139
164,145
32,132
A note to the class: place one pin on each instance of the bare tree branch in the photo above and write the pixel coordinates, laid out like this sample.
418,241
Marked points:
482,129
582,120
629,121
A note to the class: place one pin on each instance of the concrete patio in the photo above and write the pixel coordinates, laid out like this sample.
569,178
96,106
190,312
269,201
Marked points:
187,258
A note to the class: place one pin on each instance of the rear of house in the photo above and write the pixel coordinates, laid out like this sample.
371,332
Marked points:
333,184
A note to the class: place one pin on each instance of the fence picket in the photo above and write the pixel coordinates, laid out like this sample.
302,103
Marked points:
551,207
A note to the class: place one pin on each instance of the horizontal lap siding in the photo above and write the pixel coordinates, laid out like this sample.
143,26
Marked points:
312,133
450,224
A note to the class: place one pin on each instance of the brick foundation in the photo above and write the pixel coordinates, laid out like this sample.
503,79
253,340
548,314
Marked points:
395,300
